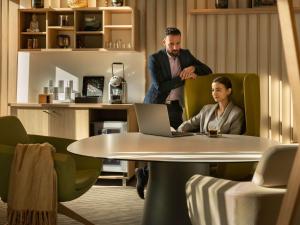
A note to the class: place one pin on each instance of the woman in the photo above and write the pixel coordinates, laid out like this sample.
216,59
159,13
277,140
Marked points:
223,116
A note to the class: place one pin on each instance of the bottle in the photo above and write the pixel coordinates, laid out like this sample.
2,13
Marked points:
37,3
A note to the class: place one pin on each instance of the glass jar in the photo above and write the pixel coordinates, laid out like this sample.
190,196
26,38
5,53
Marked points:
37,3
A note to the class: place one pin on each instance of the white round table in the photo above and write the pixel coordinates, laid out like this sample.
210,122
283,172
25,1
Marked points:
172,161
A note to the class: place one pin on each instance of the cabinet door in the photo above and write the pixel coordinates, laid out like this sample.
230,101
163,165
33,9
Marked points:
35,121
69,123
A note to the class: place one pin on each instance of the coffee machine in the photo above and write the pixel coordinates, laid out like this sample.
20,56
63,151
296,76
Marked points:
117,87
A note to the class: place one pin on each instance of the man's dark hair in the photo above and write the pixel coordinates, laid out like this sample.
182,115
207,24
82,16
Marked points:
172,31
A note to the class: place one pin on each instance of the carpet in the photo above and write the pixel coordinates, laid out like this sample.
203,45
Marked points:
102,205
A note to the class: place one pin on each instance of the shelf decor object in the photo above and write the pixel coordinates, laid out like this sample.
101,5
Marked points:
77,3
117,2
264,2
37,3
221,3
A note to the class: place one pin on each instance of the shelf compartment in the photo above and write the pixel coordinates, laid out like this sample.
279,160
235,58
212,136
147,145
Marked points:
118,17
26,18
55,20
90,41
112,36
91,20
53,38
41,38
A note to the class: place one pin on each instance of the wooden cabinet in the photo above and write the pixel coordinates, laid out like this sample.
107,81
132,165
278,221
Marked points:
57,122
69,123
65,29
35,121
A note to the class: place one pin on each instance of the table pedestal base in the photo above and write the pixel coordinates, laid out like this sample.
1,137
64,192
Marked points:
165,202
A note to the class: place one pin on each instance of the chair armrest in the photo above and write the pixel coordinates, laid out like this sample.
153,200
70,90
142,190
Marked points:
60,144
87,162
236,202
66,175
6,156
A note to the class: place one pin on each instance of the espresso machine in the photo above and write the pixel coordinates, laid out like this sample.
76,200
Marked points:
117,87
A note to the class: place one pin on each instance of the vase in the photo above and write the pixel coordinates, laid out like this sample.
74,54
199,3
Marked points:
221,3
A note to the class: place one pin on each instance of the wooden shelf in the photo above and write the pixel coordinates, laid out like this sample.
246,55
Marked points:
89,32
33,33
237,11
59,49
118,26
110,24
61,27
31,50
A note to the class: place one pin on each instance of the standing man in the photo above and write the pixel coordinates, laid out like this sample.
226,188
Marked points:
169,68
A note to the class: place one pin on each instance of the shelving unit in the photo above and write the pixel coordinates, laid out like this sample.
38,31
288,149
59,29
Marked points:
92,28
243,11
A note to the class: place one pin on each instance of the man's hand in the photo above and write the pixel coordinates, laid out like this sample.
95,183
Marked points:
188,73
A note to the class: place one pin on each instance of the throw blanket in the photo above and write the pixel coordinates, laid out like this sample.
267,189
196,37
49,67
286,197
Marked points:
32,194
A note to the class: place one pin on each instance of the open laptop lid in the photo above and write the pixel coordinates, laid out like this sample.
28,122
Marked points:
153,119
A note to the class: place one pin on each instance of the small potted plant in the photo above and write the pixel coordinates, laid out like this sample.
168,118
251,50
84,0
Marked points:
117,2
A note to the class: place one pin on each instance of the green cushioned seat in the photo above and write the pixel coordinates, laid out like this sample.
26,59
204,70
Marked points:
75,174
246,94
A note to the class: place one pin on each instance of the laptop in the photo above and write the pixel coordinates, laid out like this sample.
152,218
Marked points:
153,119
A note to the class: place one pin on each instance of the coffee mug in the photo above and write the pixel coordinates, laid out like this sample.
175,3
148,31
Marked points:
213,133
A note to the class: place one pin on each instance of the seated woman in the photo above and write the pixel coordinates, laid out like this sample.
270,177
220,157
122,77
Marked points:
223,116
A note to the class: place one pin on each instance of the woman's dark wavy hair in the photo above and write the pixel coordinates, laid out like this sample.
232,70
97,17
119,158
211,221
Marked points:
223,80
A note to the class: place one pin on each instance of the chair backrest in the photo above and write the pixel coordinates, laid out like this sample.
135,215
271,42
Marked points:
273,170
245,94
12,131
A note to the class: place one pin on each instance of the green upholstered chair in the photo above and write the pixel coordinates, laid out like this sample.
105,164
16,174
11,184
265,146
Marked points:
245,94
75,174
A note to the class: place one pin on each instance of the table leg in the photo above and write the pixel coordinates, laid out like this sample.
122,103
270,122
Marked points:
165,202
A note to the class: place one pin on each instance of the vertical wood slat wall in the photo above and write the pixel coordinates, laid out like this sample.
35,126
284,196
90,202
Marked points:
8,48
233,43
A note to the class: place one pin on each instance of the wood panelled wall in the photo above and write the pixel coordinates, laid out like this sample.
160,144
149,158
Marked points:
8,49
233,43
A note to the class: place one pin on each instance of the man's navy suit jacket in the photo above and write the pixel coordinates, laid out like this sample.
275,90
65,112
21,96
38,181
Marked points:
162,80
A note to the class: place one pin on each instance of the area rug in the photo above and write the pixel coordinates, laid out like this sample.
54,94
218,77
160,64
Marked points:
102,205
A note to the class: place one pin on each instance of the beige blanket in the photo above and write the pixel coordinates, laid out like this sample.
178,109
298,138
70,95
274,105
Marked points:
32,195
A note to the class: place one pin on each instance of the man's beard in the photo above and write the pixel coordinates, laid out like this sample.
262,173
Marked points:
174,53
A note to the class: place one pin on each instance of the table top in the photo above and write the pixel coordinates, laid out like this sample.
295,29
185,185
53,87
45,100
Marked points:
197,148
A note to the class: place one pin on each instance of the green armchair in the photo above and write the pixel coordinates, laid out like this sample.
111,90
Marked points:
245,94
75,174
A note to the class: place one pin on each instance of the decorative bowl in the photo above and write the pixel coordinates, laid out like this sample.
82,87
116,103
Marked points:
77,3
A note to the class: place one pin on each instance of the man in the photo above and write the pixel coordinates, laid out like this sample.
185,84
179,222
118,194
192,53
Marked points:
169,68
